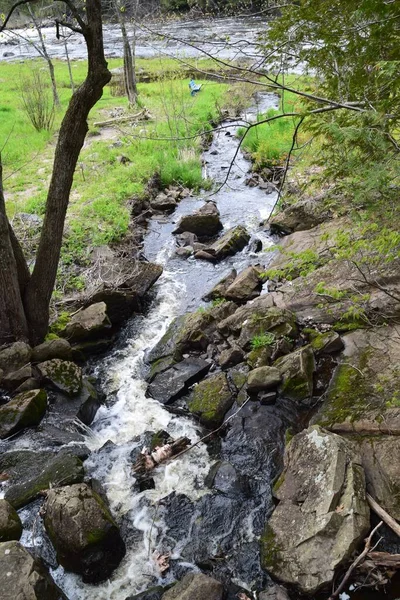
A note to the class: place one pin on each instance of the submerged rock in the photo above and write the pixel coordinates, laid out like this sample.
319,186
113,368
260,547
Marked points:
25,410
24,578
323,513
89,323
205,222
64,375
195,586
10,523
85,535
211,400
174,382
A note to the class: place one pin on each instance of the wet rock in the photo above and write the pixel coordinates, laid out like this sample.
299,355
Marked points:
267,398
246,286
91,322
83,532
211,400
303,215
25,410
59,470
259,357
83,407
326,343
174,382
16,378
253,311
231,357
205,222
10,523
323,513
263,378
297,370
29,384
274,592
83,350
14,357
23,577
58,348
224,478
186,239
219,290
163,202
255,245
154,593
203,255
185,252
230,243
64,375
195,586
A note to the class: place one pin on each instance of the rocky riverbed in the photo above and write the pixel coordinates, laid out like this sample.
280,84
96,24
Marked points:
303,411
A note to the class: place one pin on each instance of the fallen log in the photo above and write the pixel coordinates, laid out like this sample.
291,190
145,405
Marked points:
384,559
147,461
382,514
143,115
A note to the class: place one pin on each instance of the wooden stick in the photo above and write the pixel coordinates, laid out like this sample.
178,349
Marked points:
382,514
142,114
385,559
357,561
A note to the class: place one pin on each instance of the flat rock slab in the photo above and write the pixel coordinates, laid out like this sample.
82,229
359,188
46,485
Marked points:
323,513
24,578
174,382
64,375
25,410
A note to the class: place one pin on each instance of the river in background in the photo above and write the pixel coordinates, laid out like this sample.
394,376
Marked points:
224,38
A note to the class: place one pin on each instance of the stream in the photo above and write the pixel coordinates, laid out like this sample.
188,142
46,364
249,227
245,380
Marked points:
216,530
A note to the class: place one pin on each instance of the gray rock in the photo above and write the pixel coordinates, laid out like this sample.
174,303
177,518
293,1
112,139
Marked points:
323,513
231,357
154,593
274,320
83,532
253,311
24,578
297,370
186,239
211,400
195,586
224,478
58,348
263,378
10,523
219,290
16,378
163,202
174,382
25,410
205,222
185,251
246,286
301,216
91,322
64,375
14,356
274,592
59,470
230,243
29,384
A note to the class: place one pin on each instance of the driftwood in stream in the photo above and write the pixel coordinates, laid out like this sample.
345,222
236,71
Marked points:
143,115
147,461
382,514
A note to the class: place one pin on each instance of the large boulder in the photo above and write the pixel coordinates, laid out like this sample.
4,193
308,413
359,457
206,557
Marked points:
10,523
86,538
246,286
25,410
195,586
14,356
297,372
58,348
218,291
64,375
16,378
24,578
211,400
174,382
263,378
230,243
57,470
274,320
322,515
299,217
205,222
253,311
89,323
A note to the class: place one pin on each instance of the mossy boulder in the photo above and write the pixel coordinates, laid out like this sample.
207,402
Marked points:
263,378
23,577
230,243
14,357
211,400
326,343
86,538
297,370
64,375
323,513
58,470
259,357
277,321
10,523
25,410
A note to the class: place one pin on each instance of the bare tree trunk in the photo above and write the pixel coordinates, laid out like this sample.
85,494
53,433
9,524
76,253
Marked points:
46,56
69,64
70,141
13,325
129,70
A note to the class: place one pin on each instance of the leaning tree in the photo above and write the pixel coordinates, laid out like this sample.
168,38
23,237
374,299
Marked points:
24,295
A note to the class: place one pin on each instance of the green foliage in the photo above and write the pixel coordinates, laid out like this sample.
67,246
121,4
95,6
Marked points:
60,323
262,341
218,302
299,264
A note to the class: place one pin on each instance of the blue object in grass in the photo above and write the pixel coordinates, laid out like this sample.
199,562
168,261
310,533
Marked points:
194,87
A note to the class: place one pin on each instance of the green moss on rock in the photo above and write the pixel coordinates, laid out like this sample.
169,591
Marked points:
211,400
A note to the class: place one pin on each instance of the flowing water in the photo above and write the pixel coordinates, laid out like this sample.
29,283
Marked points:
181,515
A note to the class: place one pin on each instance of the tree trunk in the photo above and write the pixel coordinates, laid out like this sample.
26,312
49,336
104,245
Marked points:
70,141
13,325
45,54
129,68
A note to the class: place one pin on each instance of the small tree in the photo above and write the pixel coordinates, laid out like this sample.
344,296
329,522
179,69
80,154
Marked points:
37,104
